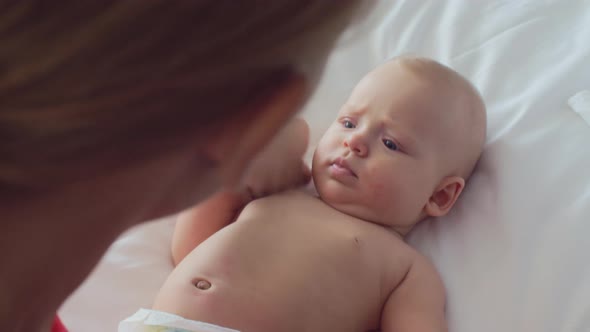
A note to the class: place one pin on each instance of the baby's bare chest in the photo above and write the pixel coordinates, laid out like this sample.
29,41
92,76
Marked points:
307,235
301,256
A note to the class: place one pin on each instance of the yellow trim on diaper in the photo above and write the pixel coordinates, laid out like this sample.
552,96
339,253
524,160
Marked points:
159,328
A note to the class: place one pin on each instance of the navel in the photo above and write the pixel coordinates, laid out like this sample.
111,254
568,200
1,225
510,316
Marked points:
202,284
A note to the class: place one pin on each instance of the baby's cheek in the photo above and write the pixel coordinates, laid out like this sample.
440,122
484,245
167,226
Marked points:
381,187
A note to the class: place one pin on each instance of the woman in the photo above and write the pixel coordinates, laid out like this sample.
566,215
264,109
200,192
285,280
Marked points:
116,112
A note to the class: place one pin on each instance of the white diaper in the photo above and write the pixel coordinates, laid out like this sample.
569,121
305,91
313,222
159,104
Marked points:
146,320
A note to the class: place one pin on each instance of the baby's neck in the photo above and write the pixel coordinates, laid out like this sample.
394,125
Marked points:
398,231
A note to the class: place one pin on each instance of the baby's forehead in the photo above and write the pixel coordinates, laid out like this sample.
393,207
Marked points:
429,81
415,89
394,90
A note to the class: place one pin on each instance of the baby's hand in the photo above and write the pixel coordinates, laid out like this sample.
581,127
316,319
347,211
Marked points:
280,165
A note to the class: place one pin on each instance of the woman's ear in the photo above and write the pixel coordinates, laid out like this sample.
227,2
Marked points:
444,196
236,140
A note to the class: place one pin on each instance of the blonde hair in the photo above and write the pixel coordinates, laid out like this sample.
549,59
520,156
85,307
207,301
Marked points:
125,79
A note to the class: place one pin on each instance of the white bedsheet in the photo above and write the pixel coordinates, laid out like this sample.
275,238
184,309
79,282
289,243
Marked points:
514,252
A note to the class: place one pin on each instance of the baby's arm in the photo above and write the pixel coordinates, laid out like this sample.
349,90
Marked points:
279,166
418,303
197,224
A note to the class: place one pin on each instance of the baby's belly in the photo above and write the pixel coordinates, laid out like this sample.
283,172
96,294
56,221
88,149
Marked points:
283,275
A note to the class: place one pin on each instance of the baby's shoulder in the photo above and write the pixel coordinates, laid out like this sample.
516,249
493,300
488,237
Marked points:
394,244
421,262
423,271
416,259
403,258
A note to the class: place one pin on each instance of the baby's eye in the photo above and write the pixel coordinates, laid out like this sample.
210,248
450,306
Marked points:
348,124
390,144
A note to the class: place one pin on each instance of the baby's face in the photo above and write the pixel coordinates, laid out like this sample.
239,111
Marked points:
379,160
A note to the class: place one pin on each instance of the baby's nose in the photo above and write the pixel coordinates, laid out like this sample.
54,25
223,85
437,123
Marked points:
356,143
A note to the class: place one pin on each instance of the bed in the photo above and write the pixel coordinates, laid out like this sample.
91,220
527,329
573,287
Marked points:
515,252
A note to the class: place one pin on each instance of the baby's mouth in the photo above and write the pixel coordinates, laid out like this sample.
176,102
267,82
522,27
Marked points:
341,167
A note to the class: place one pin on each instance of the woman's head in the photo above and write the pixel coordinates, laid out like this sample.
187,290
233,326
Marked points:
92,86
113,112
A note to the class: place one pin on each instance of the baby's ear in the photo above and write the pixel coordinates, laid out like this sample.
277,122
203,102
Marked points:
445,196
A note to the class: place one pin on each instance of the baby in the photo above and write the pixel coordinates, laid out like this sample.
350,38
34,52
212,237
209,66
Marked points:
400,151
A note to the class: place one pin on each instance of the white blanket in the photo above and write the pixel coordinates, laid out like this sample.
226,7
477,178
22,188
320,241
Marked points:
513,253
